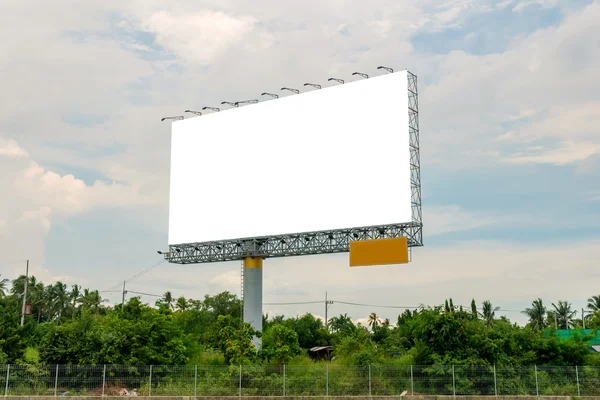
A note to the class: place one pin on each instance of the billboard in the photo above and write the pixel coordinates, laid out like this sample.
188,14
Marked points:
325,159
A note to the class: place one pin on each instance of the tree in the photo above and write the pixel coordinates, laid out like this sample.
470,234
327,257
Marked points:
474,312
488,313
181,304
342,325
168,299
3,283
373,321
594,304
537,314
280,344
565,316
59,300
74,297
234,339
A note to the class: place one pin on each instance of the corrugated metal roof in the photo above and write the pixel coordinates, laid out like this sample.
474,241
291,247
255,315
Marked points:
319,348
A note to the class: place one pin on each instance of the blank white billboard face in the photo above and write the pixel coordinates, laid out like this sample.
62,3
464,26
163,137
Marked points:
326,159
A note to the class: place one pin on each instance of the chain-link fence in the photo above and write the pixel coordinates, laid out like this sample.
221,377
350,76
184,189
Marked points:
285,380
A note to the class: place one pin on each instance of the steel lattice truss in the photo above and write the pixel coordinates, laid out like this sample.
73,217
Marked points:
322,242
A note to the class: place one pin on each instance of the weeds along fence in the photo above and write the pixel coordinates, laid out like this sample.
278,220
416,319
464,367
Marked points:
317,380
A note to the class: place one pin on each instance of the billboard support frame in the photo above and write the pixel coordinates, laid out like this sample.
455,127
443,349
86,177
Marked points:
319,242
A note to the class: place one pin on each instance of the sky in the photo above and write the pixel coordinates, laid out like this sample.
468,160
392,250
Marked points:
509,101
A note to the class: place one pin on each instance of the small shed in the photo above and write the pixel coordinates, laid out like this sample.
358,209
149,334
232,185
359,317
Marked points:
320,352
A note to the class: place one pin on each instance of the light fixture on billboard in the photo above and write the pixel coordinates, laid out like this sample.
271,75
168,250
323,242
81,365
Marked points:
361,74
212,108
252,101
230,103
276,96
388,69
336,79
172,118
313,85
291,90
193,112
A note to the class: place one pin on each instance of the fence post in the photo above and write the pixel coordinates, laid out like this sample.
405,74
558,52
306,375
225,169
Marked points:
56,381
283,380
150,386
103,379
240,391
453,383
195,379
327,380
495,382
412,382
369,380
537,387
7,376
577,377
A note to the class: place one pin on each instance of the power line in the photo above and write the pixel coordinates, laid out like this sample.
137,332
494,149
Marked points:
116,286
295,303
373,305
145,294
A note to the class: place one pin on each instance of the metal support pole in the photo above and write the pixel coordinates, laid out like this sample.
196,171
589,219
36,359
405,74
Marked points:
195,379
56,381
7,376
537,387
453,383
369,380
150,386
577,377
240,391
495,382
327,380
412,382
103,379
283,380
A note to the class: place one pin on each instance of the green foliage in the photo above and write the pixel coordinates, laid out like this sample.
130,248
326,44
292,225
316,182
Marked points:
280,344
73,325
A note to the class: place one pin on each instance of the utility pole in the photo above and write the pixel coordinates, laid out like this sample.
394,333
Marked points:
583,318
123,299
327,303
25,294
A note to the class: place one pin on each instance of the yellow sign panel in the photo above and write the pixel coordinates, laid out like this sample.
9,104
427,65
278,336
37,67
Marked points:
379,252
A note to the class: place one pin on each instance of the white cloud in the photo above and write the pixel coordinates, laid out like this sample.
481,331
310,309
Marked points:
200,37
38,198
497,88
10,148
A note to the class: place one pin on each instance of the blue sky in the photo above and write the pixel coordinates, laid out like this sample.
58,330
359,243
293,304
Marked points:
509,114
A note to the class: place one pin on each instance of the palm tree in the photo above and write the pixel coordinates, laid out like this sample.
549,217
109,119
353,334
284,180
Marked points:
60,300
3,283
373,321
181,304
168,299
537,314
565,316
386,323
594,304
92,300
474,312
488,313
74,297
